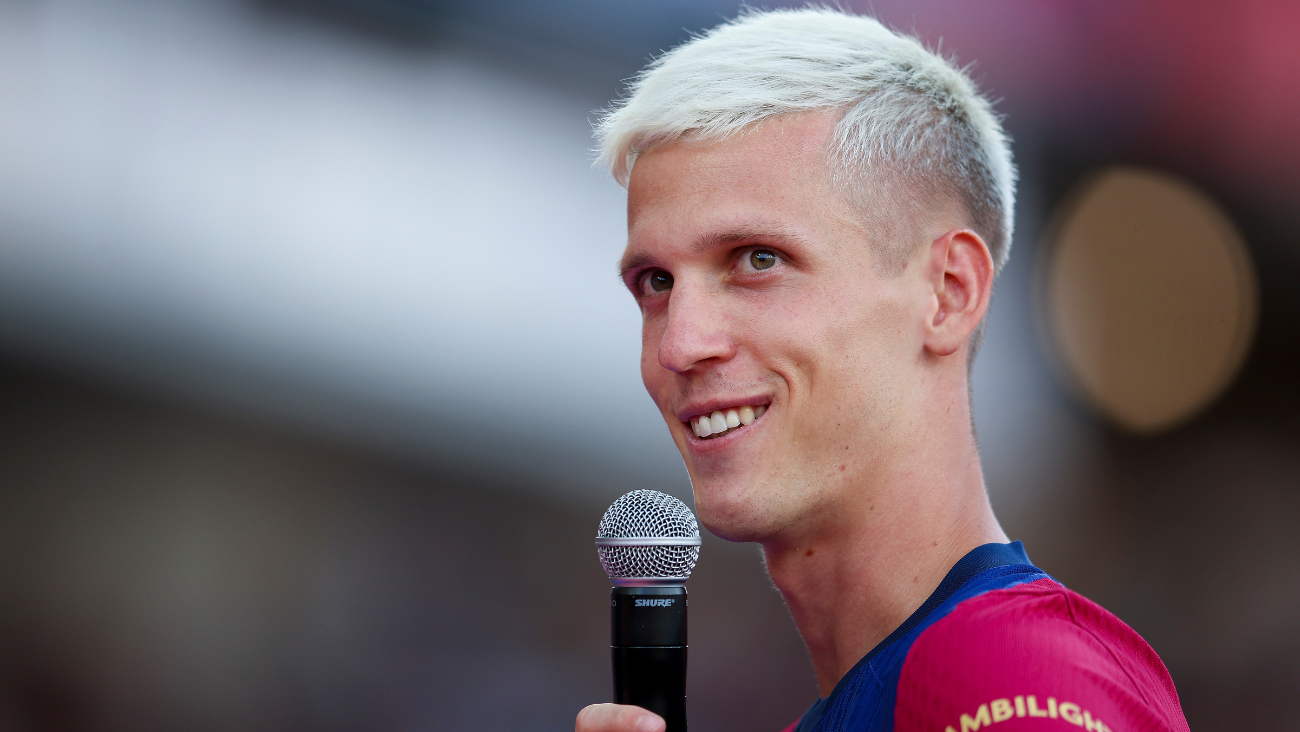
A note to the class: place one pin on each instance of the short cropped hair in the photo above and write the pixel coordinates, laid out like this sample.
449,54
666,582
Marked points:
907,112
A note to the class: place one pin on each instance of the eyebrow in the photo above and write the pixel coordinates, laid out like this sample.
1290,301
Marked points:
759,230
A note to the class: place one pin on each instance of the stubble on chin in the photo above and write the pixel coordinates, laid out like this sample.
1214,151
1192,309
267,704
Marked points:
741,513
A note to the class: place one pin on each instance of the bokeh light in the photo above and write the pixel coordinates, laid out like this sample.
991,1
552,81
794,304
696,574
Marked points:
1150,297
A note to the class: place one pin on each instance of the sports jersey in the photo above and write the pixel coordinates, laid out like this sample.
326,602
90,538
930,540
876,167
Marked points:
1001,644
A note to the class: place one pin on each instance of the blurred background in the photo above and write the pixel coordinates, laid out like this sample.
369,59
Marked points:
316,376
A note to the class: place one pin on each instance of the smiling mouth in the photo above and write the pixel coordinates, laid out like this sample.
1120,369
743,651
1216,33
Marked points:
725,421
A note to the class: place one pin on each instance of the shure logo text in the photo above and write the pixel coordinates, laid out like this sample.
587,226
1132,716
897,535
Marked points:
666,602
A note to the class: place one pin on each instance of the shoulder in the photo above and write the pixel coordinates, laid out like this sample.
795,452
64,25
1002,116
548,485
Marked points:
1036,655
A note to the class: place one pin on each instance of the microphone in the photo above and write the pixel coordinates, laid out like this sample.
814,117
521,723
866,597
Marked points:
648,543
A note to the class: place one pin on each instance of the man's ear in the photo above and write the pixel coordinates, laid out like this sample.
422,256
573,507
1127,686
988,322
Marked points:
960,269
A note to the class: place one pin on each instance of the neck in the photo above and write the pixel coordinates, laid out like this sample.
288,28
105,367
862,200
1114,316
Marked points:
851,580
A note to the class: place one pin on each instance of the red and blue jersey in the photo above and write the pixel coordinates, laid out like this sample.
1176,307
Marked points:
1001,644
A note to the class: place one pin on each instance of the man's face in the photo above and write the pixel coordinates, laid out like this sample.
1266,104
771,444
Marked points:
760,287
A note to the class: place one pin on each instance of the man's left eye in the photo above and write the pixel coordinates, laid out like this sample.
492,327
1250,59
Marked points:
762,259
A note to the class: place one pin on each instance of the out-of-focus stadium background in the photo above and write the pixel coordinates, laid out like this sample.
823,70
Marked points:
315,376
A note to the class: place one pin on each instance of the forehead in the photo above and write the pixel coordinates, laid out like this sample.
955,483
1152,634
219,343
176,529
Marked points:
775,172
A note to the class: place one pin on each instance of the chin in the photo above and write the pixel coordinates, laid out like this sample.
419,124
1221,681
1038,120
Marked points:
732,510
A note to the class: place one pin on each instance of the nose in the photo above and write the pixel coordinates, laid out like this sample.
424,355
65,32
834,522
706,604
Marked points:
695,332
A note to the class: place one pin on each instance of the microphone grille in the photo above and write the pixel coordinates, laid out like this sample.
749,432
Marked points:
649,515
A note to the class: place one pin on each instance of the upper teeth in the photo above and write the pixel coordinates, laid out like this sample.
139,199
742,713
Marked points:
721,421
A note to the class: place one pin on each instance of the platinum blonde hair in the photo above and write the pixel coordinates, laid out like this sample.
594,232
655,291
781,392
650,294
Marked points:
907,112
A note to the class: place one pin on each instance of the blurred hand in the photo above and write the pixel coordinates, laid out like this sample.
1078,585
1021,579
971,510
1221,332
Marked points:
618,718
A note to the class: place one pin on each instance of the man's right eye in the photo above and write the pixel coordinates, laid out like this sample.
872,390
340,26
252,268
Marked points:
656,281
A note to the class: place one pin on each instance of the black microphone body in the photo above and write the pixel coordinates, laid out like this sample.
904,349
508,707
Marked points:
648,645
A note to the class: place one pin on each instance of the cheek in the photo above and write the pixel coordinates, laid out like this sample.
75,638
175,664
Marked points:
652,374
863,347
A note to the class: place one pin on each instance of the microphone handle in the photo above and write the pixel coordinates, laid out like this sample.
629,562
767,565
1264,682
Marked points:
648,644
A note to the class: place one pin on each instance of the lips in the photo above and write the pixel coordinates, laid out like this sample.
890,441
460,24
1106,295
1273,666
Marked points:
724,421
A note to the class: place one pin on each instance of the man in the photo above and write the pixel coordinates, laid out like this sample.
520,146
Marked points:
817,209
